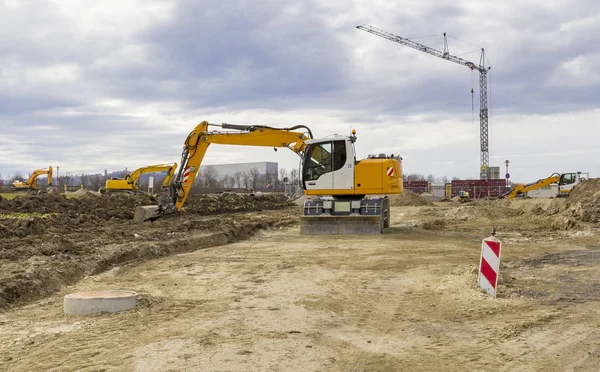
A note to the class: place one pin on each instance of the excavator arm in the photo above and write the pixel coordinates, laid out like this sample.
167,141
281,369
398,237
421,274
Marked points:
523,188
196,145
200,138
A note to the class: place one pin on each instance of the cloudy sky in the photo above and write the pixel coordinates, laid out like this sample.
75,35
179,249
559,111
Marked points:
93,85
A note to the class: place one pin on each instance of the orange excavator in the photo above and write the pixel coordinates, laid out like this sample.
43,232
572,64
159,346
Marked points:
31,183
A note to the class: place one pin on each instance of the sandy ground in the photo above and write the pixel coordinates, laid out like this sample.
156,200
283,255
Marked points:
404,300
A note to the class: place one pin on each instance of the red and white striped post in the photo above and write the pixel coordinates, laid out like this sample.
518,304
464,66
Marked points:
489,265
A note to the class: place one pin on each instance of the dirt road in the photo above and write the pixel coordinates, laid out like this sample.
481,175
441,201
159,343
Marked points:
405,300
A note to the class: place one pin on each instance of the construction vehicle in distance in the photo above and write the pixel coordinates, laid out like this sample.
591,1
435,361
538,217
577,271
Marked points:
31,183
565,183
130,183
334,181
463,196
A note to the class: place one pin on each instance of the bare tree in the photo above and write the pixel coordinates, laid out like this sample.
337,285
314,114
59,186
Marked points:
294,179
210,176
17,177
245,177
238,179
254,177
430,178
415,177
95,181
282,175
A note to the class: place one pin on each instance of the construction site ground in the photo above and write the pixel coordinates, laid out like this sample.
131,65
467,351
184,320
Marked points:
228,288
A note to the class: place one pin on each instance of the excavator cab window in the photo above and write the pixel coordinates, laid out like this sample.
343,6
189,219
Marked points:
318,160
567,178
324,157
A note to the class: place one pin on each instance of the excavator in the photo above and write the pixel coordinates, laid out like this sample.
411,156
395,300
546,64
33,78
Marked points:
344,195
129,183
565,181
31,183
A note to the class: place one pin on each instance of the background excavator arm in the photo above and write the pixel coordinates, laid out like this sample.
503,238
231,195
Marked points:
522,188
134,177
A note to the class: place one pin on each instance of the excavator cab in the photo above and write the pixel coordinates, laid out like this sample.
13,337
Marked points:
329,164
567,182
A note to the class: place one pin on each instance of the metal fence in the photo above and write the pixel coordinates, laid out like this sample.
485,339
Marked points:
293,191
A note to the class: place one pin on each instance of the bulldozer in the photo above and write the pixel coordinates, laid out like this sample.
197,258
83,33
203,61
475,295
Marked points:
335,182
31,183
130,183
565,181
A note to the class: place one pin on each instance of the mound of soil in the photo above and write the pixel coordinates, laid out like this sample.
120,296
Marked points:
408,198
48,240
228,203
584,201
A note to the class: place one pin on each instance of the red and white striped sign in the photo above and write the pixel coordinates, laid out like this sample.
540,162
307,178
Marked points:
186,175
390,171
489,265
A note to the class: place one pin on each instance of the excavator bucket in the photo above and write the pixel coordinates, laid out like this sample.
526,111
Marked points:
145,213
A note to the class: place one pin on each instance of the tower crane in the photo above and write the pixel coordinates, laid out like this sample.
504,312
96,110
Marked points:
483,95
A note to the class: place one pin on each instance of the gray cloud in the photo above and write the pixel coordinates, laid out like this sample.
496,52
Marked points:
120,84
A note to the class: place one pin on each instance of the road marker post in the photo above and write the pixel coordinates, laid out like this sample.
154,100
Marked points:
489,264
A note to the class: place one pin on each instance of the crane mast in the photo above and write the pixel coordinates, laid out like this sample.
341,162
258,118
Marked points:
483,95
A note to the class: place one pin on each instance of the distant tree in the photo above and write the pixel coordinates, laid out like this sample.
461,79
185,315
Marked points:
17,177
210,176
95,181
443,179
245,177
270,178
282,174
415,177
238,179
455,178
430,178
294,179
254,175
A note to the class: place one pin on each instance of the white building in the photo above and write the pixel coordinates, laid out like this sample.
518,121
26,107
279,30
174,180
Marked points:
263,167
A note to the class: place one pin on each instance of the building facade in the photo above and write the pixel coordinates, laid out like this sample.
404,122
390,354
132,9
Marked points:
264,167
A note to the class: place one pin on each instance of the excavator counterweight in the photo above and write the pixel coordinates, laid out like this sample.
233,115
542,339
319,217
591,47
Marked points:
335,183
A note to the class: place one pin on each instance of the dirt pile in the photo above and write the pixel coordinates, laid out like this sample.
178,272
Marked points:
408,198
583,203
117,206
229,203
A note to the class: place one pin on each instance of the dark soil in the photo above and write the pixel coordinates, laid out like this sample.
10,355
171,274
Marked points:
48,241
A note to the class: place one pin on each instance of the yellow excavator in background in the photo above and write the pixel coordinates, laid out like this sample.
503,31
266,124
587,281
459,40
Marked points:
565,181
31,183
335,182
129,183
